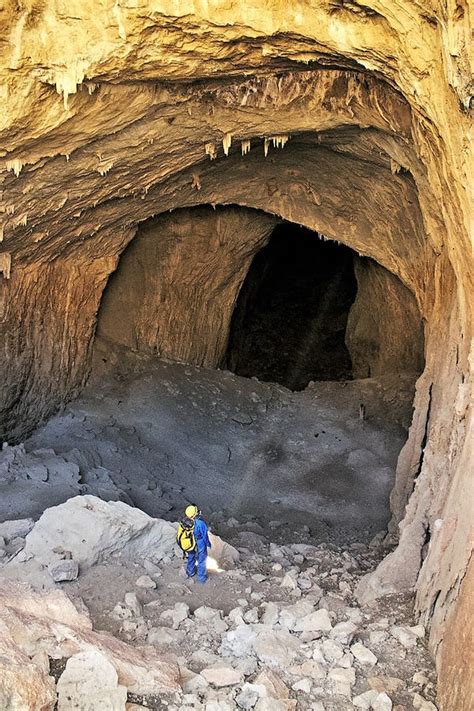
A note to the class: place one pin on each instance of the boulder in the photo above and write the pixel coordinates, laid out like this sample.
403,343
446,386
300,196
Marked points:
24,685
274,686
93,530
343,632
317,621
144,581
64,570
176,614
47,621
342,680
221,675
17,528
90,681
383,702
363,654
275,648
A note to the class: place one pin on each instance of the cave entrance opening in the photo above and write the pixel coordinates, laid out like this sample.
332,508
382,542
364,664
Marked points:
289,322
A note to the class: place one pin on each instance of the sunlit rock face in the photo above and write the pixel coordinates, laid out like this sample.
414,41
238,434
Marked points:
352,120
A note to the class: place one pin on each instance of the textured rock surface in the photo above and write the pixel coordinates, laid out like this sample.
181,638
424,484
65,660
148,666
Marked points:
32,621
191,263
384,331
379,158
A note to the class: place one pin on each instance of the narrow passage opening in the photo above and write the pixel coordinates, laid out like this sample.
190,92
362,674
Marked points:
289,323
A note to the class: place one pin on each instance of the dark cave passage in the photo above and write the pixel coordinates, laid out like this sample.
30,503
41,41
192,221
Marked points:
290,319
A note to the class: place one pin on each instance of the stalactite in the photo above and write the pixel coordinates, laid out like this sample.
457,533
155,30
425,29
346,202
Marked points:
211,151
226,143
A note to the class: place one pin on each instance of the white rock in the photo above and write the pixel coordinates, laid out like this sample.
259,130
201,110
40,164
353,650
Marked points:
177,614
383,702
290,581
363,654
222,676
207,614
365,700
238,642
332,650
249,696
64,570
219,705
315,621
16,528
270,616
133,604
420,678
144,581
291,613
405,636
342,680
269,704
90,681
317,653
317,706
163,635
310,669
346,661
343,632
419,702
275,648
303,685
251,616
93,530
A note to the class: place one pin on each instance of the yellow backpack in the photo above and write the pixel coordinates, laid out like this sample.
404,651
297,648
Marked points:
185,535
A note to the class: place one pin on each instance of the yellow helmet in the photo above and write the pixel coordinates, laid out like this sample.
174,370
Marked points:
191,511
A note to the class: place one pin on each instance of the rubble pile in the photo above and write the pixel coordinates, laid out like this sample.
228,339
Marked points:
280,629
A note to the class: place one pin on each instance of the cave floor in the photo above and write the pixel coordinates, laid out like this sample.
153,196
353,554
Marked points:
296,482
159,434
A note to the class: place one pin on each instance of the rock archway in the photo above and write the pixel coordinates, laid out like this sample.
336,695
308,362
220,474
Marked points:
356,121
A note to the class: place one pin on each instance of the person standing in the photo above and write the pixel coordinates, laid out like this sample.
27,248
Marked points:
197,554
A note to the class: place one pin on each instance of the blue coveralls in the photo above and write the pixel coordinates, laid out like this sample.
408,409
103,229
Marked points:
199,555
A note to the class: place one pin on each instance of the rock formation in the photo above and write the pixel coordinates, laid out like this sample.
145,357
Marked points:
351,119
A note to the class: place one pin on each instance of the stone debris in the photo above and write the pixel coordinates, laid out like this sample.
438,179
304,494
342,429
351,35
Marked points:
222,676
177,614
305,648
363,654
18,528
64,570
318,621
144,581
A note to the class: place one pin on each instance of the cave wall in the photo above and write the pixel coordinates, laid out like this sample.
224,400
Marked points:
384,329
176,285
49,313
377,95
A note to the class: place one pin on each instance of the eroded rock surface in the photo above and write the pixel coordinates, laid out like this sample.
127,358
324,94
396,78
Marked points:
150,108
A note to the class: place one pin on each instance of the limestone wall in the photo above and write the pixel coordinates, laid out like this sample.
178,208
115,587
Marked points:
176,285
384,330
113,113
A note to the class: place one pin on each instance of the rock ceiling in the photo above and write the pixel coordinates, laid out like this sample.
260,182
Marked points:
352,119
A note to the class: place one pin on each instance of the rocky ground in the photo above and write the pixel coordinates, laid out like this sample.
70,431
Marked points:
158,434
277,626
96,611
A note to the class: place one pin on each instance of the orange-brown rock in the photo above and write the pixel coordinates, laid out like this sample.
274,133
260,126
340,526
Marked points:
357,119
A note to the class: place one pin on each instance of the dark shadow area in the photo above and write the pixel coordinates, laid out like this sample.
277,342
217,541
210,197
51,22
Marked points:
290,319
